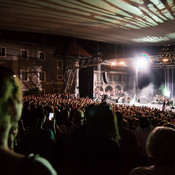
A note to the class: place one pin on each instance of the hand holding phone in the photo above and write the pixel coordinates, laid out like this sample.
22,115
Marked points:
51,115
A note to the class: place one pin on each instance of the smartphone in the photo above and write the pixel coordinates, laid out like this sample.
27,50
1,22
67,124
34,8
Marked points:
51,116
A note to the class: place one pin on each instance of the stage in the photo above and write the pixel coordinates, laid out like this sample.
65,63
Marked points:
150,105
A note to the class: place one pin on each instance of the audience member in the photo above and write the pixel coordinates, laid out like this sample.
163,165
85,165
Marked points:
160,147
128,144
37,139
10,113
142,133
99,152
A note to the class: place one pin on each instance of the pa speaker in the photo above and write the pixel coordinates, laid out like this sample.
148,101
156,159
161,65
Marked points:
105,77
86,82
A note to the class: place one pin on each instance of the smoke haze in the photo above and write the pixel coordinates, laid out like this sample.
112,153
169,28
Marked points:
147,91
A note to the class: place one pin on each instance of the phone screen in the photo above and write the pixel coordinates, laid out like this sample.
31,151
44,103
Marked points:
51,115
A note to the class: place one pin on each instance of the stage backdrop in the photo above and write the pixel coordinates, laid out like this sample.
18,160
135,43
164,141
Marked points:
86,76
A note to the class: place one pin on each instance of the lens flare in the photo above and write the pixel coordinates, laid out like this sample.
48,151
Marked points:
142,62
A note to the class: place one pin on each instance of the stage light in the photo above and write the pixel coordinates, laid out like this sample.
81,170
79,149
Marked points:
165,60
141,64
166,92
121,63
113,63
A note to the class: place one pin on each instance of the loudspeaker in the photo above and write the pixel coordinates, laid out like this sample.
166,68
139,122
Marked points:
86,79
105,77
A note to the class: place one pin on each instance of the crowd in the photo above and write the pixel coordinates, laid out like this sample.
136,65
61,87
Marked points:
61,134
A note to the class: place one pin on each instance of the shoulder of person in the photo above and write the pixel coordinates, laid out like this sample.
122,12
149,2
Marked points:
35,164
113,146
143,170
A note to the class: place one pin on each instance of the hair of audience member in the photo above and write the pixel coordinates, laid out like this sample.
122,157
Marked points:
160,145
131,123
169,125
104,123
78,116
89,112
39,117
48,109
119,119
26,104
144,122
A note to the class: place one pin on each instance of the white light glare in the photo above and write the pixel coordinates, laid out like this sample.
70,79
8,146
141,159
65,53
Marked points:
166,92
121,63
113,63
142,63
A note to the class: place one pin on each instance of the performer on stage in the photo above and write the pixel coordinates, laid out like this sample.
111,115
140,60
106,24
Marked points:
163,107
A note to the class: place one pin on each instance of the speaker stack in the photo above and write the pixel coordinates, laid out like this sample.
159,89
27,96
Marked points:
105,77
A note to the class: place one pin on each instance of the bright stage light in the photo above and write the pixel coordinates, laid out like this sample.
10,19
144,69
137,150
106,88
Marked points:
121,63
141,64
165,60
113,63
166,92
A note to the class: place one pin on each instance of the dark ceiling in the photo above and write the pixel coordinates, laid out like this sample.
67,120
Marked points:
132,22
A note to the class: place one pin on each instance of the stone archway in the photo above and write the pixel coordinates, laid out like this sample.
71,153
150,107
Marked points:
108,88
118,88
99,88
